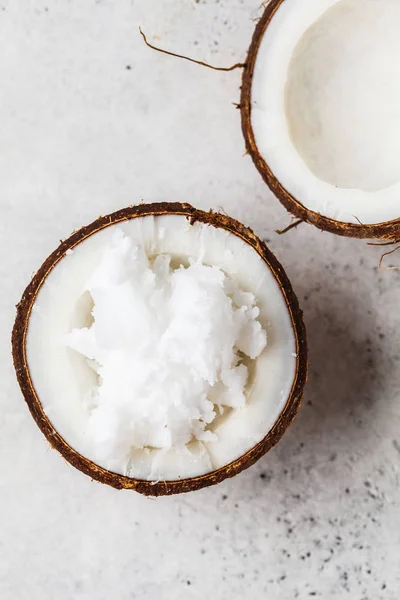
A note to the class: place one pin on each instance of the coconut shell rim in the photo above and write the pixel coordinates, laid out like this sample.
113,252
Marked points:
388,230
84,464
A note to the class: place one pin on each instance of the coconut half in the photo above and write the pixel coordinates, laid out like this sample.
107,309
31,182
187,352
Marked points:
320,110
53,379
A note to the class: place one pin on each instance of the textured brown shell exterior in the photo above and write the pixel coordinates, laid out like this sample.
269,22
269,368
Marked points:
87,466
389,230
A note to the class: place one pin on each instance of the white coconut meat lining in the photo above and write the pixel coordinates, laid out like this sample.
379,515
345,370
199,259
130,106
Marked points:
325,106
119,353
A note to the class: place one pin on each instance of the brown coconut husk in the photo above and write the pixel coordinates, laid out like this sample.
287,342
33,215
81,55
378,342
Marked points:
82,463
389,230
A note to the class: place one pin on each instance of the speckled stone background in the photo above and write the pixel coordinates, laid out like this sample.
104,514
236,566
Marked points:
91,121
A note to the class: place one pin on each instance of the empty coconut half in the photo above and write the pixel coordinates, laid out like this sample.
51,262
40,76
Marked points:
161,349
321,112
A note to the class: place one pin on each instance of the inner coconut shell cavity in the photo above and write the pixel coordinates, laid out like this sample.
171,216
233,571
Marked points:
320,109
176,229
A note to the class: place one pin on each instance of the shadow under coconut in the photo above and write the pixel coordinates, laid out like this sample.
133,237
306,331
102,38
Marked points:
335,424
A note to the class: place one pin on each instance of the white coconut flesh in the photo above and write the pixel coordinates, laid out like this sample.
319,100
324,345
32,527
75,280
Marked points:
326,106
161,350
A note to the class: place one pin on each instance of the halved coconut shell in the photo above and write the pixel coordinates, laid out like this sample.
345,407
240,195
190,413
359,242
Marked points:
85,465
389,230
